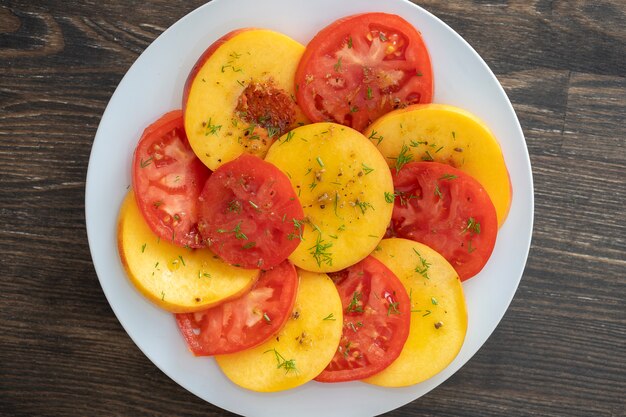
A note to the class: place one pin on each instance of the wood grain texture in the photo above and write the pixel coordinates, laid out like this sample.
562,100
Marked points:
560,349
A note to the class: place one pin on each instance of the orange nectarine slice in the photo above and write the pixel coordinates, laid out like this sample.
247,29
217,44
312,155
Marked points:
177,279
447,134
240,95
343,184
301,350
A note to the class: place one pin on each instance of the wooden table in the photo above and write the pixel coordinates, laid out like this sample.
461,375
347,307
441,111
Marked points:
559,351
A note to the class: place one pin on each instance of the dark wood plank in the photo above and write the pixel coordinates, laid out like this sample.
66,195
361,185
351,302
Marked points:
561,348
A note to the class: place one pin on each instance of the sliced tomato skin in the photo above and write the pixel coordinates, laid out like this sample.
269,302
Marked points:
360,67
446,209
248,213
376,321
167,180
247,321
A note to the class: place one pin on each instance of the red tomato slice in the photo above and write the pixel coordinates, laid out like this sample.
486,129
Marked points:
448,210
376,321
361,67
249,213
167,180
247,321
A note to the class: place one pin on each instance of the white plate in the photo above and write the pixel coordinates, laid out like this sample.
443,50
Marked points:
154,85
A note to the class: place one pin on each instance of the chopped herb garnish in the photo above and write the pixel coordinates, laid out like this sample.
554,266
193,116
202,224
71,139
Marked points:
182,260
434,301
422,267
355,306
319,251
272,131
337,66
346,349
236,230
393,308
350,42
375,136
249,130
320,162
404,199
145,163
470,248
281,362
211,129
253,204
363,205
448,177
369,95
225,67
238,233
427,157
389,197
404,157
288,137
267,318
416,143
249,245
298,226
331,316
472,226
366,169
438,191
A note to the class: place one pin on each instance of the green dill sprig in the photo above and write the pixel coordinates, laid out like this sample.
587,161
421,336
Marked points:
320,252
472,226
289,365
423,266
210,128
355,303
375,136
366,169
404,157
330,317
